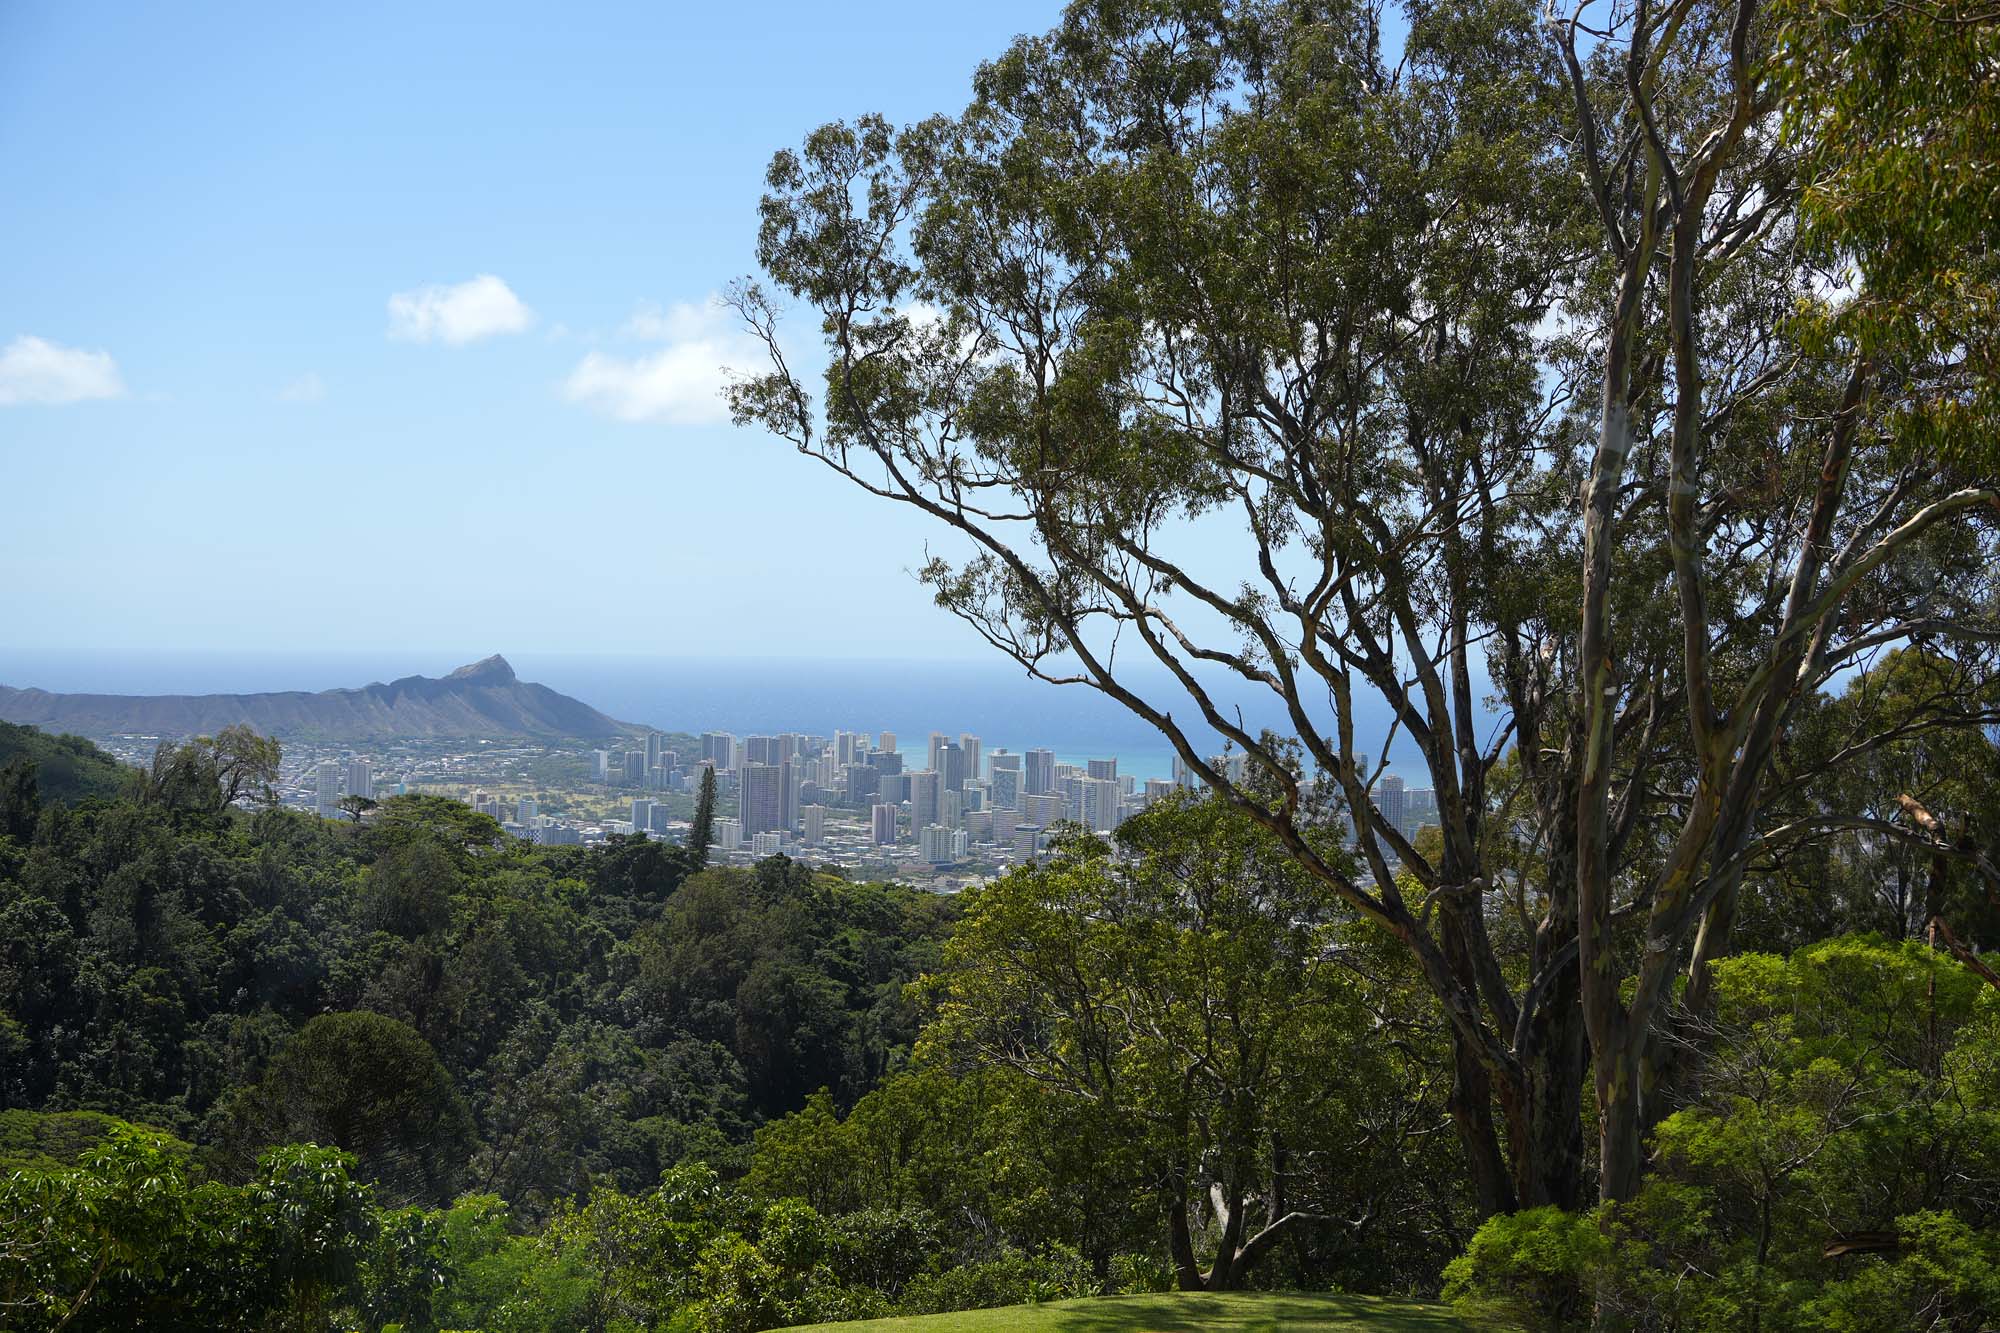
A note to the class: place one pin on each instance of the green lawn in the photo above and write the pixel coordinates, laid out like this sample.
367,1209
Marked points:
1226,1312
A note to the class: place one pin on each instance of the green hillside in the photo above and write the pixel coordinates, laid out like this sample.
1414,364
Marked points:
1180,1312
67,768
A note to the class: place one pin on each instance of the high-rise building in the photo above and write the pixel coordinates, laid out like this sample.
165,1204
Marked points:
970,744
979,825
938,741
885,825
719,748
886,761
888,742
662,817
940,845
951,808
728,835
788,795
527,811
767,844
1390,800
642,814
600,769
1027,841
1045,809
1040,771
1100,804
652,750
760,798
1185,776
1003,758
860,782
950,765
1005,787
814,818
327,788
635,768
1158,789
1105,770
924,791
760,750
359,781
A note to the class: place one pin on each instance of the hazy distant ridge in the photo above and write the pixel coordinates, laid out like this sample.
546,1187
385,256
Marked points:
485,699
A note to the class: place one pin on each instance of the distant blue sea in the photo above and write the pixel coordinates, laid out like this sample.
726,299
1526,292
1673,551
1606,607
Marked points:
992,700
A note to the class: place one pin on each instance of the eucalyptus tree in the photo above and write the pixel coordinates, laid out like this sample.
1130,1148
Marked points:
1501,361
1797,428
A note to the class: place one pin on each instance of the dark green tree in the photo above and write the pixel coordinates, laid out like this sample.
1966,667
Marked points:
20,800
702,831
371,1086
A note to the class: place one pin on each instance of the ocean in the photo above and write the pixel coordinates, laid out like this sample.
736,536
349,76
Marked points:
992,700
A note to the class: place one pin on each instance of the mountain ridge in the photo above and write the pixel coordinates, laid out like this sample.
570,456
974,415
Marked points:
482,700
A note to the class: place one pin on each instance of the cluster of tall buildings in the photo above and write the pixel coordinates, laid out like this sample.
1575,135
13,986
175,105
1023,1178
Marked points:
965,796
1408,808
336,778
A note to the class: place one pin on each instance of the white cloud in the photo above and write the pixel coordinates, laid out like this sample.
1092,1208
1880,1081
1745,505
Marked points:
458,314
35,370
307,388
680,384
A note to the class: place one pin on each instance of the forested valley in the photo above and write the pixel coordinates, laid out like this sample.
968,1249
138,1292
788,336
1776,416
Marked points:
264,1070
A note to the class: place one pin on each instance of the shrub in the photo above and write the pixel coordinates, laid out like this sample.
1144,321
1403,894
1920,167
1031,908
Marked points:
1135,1273
1013,1278
1537,1268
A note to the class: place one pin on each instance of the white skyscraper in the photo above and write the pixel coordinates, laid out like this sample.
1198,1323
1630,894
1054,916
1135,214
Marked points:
359,781
1100,804
815,825
728,834
328,788
936,844
1045,809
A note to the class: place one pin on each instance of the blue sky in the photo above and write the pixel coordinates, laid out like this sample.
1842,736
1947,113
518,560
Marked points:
382,327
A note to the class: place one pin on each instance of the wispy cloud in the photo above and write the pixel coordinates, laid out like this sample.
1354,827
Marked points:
36,371
307,388
458,313
678,384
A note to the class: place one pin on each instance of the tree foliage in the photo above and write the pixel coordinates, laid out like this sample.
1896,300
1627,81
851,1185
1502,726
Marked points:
1507,365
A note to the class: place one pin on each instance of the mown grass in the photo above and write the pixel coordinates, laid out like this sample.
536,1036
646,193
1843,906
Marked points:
1178,1312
